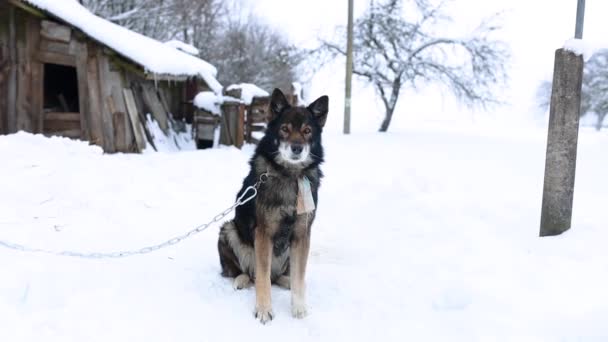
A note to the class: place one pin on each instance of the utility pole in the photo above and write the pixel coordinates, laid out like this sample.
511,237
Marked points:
580,19
349,68
564,115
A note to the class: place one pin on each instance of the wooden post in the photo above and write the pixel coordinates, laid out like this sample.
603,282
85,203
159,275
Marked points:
240,127
349,68
138,129
227,126
560,164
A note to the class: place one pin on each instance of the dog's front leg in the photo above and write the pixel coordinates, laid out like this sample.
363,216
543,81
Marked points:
263,259
300,245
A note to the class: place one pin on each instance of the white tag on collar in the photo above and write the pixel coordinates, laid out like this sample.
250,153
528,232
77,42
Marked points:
305,203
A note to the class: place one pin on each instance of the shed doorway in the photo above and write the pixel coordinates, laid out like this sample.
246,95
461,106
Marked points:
61,108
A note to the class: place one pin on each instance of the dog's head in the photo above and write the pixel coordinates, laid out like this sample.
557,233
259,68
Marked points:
293,135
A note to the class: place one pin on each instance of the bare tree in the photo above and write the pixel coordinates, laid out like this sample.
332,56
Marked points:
392,52
192,21
252,52
594,97
242,47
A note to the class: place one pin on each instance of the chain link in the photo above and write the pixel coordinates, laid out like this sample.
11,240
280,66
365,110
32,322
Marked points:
253,189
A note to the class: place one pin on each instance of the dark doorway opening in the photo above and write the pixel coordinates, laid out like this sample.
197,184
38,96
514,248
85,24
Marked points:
61,104
60,89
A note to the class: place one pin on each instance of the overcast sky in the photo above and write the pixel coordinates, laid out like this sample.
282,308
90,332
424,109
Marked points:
533,28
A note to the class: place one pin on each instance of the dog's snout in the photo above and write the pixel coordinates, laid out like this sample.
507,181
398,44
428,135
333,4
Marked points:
296,148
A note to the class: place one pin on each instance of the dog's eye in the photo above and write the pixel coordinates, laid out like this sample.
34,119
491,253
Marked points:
307,130
285,129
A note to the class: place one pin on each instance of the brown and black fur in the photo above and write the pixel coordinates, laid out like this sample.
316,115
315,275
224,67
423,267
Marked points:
268,241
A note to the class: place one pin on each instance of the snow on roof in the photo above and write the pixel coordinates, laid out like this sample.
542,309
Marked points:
208,101
211,102
154,56
248,91
184,47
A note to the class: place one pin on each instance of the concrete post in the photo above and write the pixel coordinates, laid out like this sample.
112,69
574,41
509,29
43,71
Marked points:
560,164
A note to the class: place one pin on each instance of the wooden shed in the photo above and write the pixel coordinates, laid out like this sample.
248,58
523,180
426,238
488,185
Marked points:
67,72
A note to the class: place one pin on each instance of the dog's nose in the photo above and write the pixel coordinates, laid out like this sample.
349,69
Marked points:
296,148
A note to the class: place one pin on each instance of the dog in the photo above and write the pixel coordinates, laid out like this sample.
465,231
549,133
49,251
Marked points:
268,240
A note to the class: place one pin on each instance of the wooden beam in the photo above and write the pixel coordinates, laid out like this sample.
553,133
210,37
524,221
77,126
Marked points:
55,32
93,95
11,111
120,132
31,10
56,58
165,77
83,101
153,103
62,116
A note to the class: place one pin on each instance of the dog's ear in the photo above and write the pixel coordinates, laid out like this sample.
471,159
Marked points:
319,109
278,103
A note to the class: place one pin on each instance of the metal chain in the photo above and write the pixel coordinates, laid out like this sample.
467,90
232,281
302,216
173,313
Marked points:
148,249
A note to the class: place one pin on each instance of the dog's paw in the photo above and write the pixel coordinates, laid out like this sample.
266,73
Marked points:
264,315
298,310
243,281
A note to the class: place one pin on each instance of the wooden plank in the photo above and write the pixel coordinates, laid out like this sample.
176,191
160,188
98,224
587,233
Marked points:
54,31
133,115
60,125
111,106
62,116
11,111
27,114
230,124
119,104
94,100
165,77
104,93
36,85
120,129
155,107
72,133
4,67
56,58
56,47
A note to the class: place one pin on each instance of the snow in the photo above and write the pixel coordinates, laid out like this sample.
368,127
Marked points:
581,47
211,102
181,46
208,101
421,235
174,142
248,91
153,55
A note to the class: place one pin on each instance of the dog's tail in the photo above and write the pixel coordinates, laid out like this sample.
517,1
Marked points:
228,259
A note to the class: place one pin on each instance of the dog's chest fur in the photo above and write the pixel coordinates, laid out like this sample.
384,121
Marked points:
275,204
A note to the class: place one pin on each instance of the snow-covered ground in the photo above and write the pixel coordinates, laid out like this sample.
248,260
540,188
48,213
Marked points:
422,235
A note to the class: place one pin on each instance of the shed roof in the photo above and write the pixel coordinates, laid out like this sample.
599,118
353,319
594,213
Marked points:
155,57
